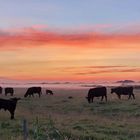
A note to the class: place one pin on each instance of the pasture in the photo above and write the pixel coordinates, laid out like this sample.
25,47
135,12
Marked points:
58,117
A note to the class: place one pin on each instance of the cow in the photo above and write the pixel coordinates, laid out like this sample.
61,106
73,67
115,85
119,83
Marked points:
49,92
70,97
10,105
9,90
123,91
33,90
0,90
97,92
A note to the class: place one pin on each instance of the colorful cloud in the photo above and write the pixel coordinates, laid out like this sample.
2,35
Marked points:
33,53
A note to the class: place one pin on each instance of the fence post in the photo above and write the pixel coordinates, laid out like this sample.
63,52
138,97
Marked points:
25,129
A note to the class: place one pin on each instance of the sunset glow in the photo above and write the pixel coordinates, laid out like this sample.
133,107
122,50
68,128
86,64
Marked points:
76,53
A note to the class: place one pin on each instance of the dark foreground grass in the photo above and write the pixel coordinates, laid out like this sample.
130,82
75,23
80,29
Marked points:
61,118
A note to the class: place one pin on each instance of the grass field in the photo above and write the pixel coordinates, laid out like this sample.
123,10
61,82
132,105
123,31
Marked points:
60,118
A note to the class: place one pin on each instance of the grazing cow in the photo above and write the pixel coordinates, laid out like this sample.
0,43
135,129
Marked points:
10,105
123,91
70,97
0,90
33,90
9,90
49,92
97,92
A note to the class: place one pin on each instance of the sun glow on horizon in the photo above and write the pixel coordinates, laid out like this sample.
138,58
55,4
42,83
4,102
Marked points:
55,56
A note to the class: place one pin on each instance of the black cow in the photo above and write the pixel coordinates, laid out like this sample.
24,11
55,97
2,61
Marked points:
97,92
33,90
10,105
9,90
49,92
123,91
0,90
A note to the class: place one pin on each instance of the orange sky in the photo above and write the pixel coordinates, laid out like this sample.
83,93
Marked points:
44,55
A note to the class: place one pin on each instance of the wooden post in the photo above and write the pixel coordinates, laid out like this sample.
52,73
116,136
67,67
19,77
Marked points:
25,129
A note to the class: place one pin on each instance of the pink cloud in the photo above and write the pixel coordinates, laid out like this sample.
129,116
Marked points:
36,35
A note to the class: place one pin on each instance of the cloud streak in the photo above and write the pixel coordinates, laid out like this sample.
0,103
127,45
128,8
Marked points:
36,36
99,71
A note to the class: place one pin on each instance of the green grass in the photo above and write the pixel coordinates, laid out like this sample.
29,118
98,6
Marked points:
59,118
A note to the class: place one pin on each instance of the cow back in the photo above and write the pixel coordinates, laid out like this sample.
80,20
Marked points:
123,90
99,91
9,90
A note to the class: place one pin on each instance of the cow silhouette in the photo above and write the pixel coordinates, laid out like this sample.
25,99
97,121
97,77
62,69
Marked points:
33,90
123,91
49,92
97,92
9,90
10,105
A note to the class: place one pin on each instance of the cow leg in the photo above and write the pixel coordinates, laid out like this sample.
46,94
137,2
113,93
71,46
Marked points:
106,98
119,96
129,96
102,98
133,95
39,95
12,114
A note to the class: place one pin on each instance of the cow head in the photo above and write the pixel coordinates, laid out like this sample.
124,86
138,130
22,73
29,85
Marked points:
25,95
88,99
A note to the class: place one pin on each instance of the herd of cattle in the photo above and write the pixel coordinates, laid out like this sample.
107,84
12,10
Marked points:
10,104
30,91
102,92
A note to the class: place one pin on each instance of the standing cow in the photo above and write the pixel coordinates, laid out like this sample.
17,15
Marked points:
10,105
9,90
33,90
123,91
97,92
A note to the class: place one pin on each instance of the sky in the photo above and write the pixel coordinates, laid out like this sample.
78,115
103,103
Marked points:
63,40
